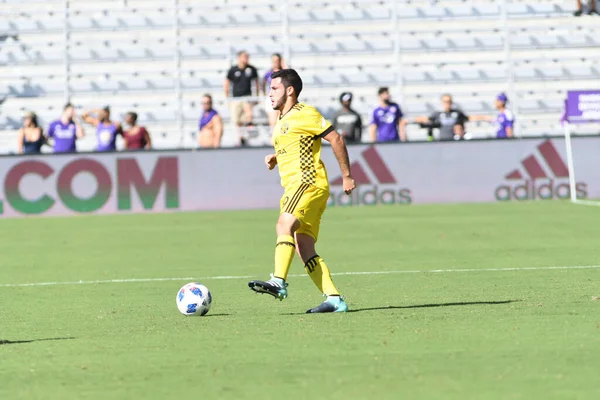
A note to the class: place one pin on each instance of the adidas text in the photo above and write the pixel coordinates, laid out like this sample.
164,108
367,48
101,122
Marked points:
532,190
370,196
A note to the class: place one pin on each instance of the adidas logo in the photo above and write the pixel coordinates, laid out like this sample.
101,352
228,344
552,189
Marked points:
542,175
377,186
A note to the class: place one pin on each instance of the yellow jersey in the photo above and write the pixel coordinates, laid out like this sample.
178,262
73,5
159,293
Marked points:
297,140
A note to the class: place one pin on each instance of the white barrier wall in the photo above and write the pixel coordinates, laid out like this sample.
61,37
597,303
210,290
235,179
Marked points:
478,171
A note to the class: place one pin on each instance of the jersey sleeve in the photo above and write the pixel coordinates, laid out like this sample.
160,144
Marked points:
510,119
51,130
462,118
374,118
231,74
315,124
435,117
400,113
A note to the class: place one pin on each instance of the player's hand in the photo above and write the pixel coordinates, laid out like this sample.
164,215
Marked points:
271,161
348,185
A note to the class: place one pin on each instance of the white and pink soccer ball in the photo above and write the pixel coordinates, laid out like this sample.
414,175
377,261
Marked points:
194,299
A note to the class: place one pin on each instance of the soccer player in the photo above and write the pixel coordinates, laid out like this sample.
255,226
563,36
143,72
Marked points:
388,123
297,140
210,125
451,121
65,131
505,119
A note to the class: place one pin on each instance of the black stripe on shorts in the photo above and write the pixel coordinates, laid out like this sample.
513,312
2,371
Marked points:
296,198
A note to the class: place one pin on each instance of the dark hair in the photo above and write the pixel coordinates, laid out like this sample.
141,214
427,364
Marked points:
133,115
106,108
383,90
68,105
276,55
34,119
208,96
289,77
239,53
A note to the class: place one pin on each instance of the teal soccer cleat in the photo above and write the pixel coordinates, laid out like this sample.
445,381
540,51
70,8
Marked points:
332,304
276,287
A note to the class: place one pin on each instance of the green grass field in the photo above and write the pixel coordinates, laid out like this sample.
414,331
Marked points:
473,330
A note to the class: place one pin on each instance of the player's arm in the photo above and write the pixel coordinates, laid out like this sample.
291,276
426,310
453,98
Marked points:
257,85
88,119
358,130
148,139
402,128
341,154
422,120
79,132
373,128
218,130
373,132
477,118
20,137
509,131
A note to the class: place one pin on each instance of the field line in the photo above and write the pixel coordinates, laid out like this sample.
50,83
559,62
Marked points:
229,277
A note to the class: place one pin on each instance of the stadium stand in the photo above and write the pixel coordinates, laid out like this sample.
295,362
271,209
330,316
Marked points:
122,53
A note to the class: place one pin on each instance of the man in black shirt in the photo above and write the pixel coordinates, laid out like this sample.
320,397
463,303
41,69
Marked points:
346,121
450,121
239,79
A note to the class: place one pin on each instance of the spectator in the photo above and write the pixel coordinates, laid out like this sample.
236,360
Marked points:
276,65
210,125
106,130
505,118
137,137
591,11
387,120
450,121
346,121
240,78
65,131
31,137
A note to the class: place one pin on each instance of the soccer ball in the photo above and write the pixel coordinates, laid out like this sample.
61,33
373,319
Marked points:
194,299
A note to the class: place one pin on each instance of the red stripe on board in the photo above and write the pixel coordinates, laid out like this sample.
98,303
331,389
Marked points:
516,175
378,166
533,168
358,173
553,159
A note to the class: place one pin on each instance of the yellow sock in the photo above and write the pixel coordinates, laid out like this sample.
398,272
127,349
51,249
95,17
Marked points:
320,275
284,254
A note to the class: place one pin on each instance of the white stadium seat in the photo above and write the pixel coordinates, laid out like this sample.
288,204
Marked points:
122,53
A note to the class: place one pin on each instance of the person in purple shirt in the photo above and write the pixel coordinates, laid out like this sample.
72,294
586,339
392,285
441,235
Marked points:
387,123
106,130
277,64
505,119
210,125
65,131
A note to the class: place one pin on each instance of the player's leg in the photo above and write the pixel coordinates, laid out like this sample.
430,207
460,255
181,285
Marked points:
310,213
247,111
287,224
284,254
319,273
236,110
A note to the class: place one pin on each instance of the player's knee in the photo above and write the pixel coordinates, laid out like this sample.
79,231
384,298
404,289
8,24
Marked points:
287,224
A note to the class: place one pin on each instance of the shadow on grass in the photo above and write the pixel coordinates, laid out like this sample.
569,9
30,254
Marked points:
2,342
463,303
216,315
